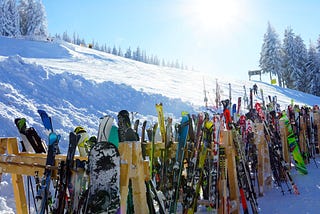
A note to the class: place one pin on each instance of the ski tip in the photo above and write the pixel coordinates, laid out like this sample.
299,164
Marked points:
123,112
40,111
21,123
79,129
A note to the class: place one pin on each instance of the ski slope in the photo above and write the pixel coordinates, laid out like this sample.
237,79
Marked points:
77,85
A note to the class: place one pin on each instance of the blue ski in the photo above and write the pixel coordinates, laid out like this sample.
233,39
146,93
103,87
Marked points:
53,140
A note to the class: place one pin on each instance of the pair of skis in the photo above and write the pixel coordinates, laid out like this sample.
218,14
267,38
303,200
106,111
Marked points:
44,195
31,141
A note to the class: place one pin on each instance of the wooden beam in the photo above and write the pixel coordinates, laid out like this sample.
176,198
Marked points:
17,180
28,163
161,146
133,167
284,142
3,149
232,173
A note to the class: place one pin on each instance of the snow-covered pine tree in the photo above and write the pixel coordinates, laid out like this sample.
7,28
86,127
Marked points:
128,53
22,8
270,55
299,76
313,72
1,16
33,19
9,18
289,56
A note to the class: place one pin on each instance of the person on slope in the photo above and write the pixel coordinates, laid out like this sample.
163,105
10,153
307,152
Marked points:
255,89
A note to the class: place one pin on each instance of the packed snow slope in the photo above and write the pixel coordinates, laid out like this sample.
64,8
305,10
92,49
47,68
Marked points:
77,85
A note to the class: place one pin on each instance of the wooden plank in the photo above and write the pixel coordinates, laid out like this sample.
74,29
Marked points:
232,178
260,143
284,142
126,160
138,180
27,163
161,146
3,149
17,180
302,139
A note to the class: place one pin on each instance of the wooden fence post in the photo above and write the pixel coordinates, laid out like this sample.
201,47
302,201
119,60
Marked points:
17,180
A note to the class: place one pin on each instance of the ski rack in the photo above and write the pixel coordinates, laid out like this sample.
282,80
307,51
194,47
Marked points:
135,168
21,163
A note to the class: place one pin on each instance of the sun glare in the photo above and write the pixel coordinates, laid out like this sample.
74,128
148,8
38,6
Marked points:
213,15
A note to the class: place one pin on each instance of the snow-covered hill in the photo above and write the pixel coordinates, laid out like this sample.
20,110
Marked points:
77,85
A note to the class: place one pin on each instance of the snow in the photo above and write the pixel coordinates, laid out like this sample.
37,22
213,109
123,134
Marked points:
77,85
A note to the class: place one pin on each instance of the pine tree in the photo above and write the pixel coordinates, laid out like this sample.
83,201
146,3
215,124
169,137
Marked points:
137,54
313,72
270,56
289,56
128,53
114,50
299,75
120,52
66,37
33,19
23,8
10,19
1,17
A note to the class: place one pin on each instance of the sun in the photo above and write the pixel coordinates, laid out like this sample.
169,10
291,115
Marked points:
211,16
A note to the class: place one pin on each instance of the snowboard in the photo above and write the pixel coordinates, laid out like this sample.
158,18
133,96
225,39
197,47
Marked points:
104,173
113,136
294,147
104,128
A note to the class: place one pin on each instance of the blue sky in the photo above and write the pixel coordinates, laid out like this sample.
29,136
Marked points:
218,37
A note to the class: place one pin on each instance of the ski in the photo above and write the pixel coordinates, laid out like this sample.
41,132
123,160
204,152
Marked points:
124,124
66,188
44,195
161,123
178,168
202,158
83,146
214,171
47,123
31,141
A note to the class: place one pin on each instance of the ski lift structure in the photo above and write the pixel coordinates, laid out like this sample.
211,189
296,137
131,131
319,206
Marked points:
254,73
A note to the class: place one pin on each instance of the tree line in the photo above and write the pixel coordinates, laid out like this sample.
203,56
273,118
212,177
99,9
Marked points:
294,65
135,54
